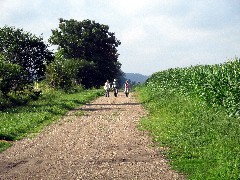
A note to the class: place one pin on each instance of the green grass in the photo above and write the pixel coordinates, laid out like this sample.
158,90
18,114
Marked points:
195,111
4,145
203,142
18,122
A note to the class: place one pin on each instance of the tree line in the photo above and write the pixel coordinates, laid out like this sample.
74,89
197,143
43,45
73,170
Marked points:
86,55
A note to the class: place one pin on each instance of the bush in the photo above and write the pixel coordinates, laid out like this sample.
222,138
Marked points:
14,88
11,76
61,74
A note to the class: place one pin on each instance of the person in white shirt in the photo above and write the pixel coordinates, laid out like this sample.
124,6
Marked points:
107,88
115,87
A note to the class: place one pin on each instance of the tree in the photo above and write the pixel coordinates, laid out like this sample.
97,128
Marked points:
92,42
26,50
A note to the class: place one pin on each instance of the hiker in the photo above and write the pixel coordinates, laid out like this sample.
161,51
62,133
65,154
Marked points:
107,88
115,87
126,88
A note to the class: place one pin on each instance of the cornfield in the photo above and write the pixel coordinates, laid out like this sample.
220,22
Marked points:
218,85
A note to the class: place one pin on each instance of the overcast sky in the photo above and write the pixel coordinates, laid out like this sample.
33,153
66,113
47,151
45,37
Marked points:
155,34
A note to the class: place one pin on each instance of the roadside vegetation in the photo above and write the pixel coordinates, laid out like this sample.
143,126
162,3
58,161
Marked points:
38,86
194,113
20,121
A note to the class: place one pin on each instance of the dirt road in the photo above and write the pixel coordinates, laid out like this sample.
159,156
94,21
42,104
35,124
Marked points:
104,143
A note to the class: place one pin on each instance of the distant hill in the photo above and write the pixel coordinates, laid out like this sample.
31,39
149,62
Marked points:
136,77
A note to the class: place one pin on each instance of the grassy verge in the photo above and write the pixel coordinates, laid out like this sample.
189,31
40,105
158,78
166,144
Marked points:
204,142
18,122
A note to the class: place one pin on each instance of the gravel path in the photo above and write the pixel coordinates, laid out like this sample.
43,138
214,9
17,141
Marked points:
104,143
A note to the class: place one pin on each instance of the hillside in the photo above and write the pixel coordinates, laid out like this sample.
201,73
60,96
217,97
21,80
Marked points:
136,77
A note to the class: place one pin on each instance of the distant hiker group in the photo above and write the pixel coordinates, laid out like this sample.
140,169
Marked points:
115,87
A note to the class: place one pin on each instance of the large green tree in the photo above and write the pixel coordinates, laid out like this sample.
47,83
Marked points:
92,42
26,50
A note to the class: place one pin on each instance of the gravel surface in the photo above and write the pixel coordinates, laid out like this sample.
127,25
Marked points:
104,143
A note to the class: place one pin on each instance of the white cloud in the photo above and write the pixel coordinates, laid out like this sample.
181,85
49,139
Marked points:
133,35
157,34
129,7
7,7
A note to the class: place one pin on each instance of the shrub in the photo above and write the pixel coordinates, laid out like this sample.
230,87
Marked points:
11,76
62,73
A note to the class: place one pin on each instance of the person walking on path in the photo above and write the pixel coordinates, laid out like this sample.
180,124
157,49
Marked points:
126,88
115,87
107,88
